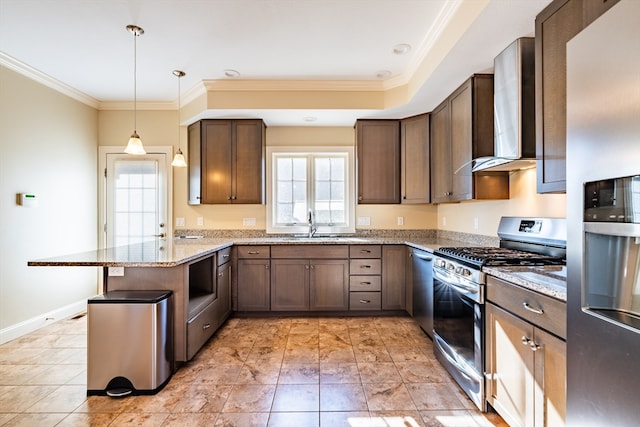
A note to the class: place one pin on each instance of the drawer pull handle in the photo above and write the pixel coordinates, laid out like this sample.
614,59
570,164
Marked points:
253,252
532,309
365,301
225,255
206,326
365,283
365,266
365,251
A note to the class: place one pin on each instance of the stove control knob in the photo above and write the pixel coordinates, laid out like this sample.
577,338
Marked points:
466,272
459,270
450,267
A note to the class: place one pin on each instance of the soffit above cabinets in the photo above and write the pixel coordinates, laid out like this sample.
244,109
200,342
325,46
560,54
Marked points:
296,59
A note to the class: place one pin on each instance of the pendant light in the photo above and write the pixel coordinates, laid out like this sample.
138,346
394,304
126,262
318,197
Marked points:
135,144
178,159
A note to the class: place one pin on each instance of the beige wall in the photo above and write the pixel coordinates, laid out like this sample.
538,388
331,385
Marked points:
48,145
523,201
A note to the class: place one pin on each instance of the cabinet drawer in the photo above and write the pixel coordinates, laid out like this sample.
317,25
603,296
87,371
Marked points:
365,301
224,256
200,329
253,251
364,251
364,283
540,310
310,251
365,266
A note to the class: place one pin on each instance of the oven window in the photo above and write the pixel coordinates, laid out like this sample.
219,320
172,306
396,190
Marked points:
454,320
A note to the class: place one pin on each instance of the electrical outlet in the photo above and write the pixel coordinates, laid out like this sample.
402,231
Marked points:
200,221
400,220
476,224
444,221
249,222
364,220
179,222
116,271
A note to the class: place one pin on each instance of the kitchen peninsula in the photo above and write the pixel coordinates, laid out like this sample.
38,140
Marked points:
199,273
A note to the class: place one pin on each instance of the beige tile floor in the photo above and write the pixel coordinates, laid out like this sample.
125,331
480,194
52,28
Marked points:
302,372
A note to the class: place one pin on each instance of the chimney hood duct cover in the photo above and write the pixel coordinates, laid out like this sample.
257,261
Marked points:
514,109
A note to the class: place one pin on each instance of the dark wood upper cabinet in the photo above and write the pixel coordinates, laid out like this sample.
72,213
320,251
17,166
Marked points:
378,157
462,130
414,166
226,162
554,27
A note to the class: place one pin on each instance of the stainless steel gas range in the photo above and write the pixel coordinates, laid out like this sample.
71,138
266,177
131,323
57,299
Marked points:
459,286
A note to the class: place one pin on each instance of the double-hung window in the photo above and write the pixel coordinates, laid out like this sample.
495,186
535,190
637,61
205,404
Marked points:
310,185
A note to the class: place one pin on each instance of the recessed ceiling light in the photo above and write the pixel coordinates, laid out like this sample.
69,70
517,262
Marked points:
383,74
310,119
231,73
401,49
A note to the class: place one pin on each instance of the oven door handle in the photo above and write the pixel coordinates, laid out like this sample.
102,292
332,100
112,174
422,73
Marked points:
464,369
447,279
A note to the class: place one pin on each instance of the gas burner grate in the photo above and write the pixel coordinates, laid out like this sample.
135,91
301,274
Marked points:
493,256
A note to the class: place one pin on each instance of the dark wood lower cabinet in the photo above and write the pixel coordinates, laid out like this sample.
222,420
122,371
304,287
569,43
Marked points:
316,285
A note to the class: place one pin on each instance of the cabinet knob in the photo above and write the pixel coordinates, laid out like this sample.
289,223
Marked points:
228,197
534,346
266,266
525,340
206,326
359,197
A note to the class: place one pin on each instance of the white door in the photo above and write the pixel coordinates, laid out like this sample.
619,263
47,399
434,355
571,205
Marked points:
135,198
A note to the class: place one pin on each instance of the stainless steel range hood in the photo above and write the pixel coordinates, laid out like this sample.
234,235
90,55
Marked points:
514,109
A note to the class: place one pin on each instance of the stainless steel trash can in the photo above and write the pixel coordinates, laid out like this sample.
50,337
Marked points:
129,342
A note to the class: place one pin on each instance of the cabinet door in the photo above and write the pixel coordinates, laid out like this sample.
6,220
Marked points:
224,292
550,380
440,154
510,365
193,164
554,26
253,285
378,168
414,143
216,161
393,277
329,280
289,285
461,142
247,185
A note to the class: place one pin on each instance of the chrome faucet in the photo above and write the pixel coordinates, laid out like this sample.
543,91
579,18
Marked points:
312,226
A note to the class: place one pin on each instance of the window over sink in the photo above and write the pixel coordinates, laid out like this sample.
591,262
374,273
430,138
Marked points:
316,181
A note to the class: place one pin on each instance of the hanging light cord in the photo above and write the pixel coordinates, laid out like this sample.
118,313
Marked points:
135,86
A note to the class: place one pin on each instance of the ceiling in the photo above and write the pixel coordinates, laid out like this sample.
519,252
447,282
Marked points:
82,47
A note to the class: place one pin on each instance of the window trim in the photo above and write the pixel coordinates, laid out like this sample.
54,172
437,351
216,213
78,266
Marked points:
350,196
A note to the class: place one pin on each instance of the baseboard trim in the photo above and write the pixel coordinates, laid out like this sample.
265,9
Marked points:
19,329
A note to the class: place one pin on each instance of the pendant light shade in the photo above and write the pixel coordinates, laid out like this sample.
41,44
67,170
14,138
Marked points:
135,143
178,159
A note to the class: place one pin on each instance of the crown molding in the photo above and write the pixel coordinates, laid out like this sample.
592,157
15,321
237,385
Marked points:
283,85
46,80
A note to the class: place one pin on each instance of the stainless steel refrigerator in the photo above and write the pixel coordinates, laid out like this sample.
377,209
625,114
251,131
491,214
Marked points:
603,220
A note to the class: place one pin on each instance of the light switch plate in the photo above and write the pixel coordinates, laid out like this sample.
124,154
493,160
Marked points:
249,222
200,221
400,220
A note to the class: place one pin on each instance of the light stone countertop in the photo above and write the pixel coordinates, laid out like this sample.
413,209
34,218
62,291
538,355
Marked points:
550,280
177,251
170,253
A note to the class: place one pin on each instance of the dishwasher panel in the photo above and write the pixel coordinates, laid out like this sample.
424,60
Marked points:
422,266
